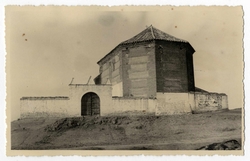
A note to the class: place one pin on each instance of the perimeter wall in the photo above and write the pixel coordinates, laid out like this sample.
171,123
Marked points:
163,104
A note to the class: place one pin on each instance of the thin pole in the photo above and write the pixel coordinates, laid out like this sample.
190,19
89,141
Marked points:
72,80
89,80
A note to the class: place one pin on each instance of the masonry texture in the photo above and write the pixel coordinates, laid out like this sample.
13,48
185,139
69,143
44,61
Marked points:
150,74
150,62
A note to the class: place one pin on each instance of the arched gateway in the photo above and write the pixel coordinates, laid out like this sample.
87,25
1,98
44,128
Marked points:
90,104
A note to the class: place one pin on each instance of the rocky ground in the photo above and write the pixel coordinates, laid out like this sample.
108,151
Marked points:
205,131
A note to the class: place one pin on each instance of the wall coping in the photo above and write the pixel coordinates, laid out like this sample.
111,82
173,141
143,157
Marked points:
90,84
207,93
133,98
46,98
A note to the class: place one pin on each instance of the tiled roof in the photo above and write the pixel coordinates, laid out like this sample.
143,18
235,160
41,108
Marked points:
151,33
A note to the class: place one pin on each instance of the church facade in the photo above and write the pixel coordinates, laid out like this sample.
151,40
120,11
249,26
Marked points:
151,73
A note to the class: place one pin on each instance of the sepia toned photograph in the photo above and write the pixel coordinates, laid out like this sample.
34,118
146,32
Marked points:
126,78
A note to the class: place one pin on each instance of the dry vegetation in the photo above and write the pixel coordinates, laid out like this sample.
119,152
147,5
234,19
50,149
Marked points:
185,132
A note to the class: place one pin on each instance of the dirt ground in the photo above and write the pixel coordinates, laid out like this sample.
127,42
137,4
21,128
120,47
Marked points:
175,132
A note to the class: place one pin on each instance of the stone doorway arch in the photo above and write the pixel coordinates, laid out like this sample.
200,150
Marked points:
90,104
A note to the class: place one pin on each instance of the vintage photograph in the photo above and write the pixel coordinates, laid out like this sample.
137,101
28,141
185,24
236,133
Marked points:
124,78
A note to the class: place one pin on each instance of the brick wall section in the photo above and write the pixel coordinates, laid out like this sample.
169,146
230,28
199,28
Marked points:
190,68
139,78
143,68
173,62
111,68
125,68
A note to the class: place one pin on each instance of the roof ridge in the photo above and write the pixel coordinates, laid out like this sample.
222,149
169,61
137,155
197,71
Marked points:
152,31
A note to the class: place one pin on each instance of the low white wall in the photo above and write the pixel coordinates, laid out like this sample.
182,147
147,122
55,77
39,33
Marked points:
165,104
131,106
210,101
172,103
44,107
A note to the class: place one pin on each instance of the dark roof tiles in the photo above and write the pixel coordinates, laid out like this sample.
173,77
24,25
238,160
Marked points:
152,33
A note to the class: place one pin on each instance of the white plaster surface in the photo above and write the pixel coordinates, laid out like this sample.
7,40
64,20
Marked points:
117,89
44,107
172,103
164,104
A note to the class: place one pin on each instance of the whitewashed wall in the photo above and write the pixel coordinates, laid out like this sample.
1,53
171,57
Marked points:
77,91
164,104
131,106
210,101
44,107
172,103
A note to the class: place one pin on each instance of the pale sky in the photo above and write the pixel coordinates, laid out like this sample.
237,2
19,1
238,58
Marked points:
47,46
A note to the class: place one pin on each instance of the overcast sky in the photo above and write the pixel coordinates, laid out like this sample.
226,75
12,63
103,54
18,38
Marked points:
47,46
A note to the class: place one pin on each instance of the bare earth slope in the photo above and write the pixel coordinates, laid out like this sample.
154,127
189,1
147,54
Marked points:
184,132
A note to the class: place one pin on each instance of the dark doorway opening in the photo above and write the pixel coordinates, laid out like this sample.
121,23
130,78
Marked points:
90,104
